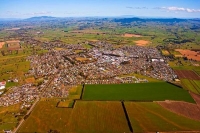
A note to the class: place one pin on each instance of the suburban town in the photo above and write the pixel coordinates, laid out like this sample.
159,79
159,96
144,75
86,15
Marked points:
70,65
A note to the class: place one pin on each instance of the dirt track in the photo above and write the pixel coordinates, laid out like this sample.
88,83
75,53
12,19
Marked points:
141,42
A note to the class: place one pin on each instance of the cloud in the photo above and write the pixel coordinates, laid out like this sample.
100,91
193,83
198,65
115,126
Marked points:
173,8
39,13
130,7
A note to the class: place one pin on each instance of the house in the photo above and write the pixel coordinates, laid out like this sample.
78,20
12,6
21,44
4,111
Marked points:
2,85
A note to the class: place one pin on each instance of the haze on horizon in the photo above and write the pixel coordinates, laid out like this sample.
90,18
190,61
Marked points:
108,8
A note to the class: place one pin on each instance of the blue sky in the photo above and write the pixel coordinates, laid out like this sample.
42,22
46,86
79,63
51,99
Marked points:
77,8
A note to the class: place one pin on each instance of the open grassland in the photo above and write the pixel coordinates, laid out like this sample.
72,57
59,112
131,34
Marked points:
45,117
138,92
151,117
191,85
98,117
7,117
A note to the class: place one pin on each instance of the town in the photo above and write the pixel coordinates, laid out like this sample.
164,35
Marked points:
65,66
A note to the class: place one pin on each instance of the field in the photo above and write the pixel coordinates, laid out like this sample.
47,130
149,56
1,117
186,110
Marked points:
1,44
182,108
45,117
142,42
7,117
131,35
151,117
159,91
187,74
191,85
189,54
98,117
165,52
89,117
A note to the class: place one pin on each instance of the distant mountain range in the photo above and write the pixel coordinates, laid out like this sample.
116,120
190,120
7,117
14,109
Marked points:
122,19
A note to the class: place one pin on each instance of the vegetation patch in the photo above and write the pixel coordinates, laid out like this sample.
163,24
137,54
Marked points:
151,117
45,117
98,117
159,91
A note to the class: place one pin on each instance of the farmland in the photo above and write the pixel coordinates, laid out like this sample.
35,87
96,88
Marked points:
7,117
151,117
51,118
137,92
187,74
191,85
98,117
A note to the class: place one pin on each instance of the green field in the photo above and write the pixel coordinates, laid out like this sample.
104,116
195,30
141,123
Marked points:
151,117
191,85
138,92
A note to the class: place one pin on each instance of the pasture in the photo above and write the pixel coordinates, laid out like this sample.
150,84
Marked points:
158,91
191,85
151,117
98,117
8,121
45,117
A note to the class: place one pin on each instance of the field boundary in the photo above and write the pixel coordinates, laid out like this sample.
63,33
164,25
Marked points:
127,117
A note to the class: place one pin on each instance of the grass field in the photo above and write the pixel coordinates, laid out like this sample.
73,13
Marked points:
98,117
191,85
45,117
151,117
7,117
139,92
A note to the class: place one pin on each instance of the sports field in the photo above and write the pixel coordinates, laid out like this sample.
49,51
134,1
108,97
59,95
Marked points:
151,117
159,91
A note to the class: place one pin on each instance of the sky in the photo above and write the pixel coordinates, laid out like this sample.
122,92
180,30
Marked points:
102,8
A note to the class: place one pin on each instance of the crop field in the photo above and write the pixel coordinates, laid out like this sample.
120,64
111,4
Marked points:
182,108
98,117
191,85
45,117
158,91
151,117
187,74
7,117
189,54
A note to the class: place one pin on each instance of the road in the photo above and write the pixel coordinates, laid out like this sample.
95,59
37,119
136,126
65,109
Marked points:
32,107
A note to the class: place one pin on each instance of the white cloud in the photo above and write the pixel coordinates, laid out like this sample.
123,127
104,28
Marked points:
173,8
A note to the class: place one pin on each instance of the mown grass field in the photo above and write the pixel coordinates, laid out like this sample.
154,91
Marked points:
138,92
45,117
151,117
191,85
98,117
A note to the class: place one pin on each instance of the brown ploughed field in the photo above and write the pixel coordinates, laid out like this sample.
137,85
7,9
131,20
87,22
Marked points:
141,42
1,44
131,35
187,74
190,54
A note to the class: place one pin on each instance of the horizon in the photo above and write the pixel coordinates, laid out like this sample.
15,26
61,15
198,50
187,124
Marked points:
23,9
